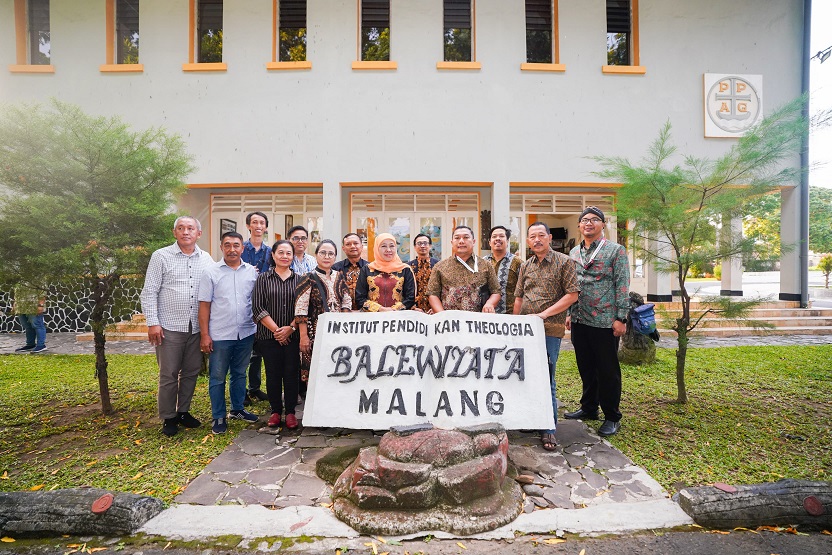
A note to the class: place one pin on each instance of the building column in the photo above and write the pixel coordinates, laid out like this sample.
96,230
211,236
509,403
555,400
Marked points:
658,283
332,211
790,235
500,204
731,267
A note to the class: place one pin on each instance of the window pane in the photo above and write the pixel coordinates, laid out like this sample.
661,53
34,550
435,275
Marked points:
618,32
209,21
432,227
40,43
292,31
457,30
539,31
400,229
127,31
375,30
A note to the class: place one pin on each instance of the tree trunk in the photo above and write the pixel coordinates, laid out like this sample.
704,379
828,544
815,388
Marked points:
787,502
69,511
682,341
102,292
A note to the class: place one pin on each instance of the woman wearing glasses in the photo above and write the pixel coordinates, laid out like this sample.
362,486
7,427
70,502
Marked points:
319,291
386,283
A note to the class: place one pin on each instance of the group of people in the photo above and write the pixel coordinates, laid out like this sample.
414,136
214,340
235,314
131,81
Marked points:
260,304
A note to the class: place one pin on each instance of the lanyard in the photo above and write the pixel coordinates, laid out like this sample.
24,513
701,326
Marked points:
474,270
588,263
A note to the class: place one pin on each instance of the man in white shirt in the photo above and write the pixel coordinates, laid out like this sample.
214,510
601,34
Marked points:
169,303
303,263
227,329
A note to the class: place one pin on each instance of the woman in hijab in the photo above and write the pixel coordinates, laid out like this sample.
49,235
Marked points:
386,283
319,291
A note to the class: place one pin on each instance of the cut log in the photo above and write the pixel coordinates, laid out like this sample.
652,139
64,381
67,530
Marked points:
787,502
70,511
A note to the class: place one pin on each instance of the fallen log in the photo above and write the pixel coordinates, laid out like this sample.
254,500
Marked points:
84,511
787,502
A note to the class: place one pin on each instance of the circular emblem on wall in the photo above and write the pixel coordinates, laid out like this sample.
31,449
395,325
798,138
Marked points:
733,104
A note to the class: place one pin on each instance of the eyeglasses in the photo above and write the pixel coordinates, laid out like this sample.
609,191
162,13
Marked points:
326,254
422,244
297,239
590,221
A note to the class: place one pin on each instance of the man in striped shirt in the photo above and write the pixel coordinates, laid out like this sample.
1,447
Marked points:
169,303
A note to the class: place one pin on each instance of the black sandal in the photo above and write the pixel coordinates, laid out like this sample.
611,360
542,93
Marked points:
547,439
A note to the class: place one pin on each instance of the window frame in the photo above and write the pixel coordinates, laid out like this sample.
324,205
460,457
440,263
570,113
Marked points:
555,66
359,63
110,65
635,67
473,64
276,63
22,55
192,65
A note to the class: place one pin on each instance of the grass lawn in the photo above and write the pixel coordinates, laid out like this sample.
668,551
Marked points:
755,414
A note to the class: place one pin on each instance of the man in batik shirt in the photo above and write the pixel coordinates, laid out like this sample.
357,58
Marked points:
506,266
465,281
598,320
351,266
422,267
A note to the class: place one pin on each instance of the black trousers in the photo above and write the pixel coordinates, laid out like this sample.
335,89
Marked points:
596,352
282,377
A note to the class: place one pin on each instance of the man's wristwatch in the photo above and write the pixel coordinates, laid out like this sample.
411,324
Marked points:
622,320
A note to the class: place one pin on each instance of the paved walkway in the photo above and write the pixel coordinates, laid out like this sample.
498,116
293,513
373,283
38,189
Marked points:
65,343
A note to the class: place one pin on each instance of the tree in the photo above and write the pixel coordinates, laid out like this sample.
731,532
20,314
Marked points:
673,204
85,197
825,266
820,220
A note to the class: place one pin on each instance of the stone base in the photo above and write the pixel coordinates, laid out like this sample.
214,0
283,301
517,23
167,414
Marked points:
480,515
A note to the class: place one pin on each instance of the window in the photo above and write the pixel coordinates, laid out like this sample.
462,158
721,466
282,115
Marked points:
209,31
459,31
539,32
291,31
127,32
618,33
33,52
375,30
38,26
622,37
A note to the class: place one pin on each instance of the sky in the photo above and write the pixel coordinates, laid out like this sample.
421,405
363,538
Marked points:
820,142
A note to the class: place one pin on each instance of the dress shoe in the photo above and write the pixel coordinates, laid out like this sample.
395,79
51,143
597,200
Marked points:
291,421
581,414
258,394
171,426
187,420
609,428
274,421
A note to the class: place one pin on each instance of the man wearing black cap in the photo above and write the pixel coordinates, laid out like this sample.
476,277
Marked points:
598,320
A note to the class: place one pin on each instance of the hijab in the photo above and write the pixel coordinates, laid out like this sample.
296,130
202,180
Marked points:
380,265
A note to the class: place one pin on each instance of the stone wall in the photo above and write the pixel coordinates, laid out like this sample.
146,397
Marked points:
68,306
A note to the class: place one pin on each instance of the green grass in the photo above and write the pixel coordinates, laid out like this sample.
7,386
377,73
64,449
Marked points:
748,405
748,408
53,434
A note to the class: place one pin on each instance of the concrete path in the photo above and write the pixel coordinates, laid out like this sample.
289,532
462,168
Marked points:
65,344
586,486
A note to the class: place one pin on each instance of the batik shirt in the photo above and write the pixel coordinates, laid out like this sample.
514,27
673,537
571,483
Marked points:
604,280
421,270
461,289
350,272
542,283
506,270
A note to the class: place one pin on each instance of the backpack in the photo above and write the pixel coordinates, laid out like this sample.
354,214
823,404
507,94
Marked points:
643,319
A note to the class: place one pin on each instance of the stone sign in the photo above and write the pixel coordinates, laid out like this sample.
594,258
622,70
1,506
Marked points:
453,369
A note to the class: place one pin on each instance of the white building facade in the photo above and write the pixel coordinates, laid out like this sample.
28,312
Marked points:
421,140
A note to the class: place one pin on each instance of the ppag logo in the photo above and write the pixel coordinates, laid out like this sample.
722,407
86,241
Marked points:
733,103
